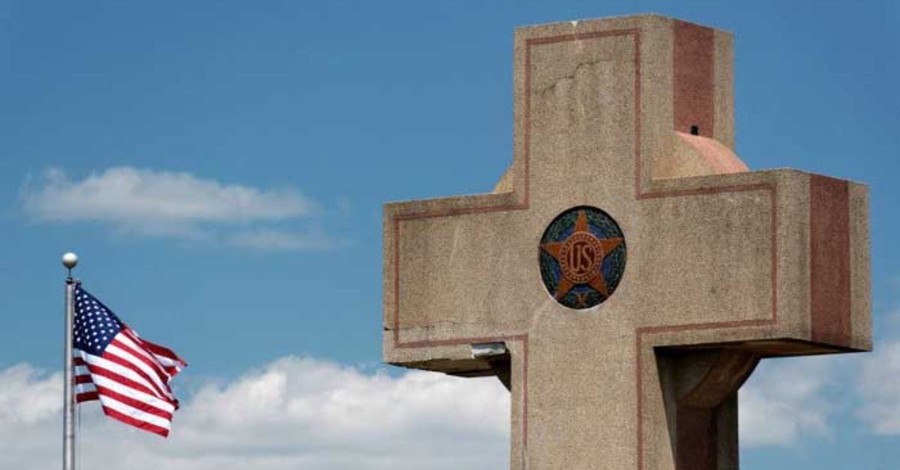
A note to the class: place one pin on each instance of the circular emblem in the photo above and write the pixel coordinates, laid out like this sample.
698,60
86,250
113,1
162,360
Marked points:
582,257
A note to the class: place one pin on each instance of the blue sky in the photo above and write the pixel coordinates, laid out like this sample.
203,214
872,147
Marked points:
291,123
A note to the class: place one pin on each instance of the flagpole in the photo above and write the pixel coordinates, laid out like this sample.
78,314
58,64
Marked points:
69,260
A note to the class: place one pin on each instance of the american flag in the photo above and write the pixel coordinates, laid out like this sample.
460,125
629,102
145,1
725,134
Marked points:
129,375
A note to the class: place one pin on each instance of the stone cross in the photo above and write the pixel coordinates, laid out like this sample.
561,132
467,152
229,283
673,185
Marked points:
628,272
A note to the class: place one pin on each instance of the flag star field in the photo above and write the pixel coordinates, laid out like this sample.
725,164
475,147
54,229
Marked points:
95,326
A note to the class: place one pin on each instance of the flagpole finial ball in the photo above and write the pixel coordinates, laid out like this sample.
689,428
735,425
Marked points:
69,260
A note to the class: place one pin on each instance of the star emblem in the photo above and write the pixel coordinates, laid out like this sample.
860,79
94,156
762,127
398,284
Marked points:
580,258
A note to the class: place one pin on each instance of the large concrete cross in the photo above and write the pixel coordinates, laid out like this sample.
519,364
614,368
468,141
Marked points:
631,265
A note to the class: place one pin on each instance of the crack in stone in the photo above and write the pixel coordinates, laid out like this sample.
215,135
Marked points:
571,76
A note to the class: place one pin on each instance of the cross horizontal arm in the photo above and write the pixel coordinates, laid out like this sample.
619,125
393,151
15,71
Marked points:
803,270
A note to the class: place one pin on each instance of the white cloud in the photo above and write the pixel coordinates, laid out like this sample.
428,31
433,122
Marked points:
785,400
293,413
159,203
26,397
880,389
305,413
879,377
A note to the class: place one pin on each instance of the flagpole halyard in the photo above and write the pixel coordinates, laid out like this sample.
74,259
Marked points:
69,260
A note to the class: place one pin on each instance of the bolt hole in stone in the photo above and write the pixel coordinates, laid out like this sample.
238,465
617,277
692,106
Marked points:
695,130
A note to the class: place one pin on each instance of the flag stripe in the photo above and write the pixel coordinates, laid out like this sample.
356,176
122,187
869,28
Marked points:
151,346
82,379
114,414
140,366
98,372
138,405
122,369
87,396
88,387
126,344
127,410
134,371
162,355
106,384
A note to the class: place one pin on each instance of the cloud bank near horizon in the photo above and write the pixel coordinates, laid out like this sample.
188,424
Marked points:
292,413
308,413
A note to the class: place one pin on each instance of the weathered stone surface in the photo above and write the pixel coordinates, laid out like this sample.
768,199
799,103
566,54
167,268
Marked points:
724,266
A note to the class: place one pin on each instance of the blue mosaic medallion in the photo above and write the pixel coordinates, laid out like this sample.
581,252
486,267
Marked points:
582,257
